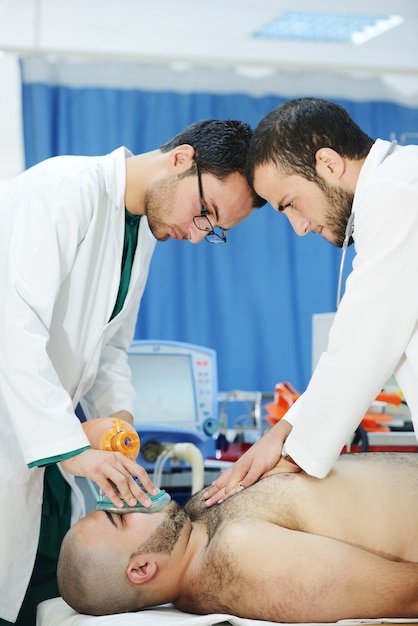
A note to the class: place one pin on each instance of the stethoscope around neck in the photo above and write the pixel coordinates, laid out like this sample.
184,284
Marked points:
349,229
348,234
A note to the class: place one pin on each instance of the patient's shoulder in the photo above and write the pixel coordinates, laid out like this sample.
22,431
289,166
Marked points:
213,577
195,506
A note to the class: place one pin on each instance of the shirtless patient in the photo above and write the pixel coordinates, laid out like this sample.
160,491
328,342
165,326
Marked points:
289,548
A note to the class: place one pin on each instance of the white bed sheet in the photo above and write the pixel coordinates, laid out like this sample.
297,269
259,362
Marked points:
56,612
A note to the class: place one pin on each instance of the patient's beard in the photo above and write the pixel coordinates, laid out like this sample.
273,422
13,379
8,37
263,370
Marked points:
163,539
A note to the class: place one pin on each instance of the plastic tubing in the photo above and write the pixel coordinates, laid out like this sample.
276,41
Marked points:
186,452
191,453
159,465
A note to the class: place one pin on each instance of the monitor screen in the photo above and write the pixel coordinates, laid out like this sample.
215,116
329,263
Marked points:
165,389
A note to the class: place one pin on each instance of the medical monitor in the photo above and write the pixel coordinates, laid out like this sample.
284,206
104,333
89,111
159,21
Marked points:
321,326
176,393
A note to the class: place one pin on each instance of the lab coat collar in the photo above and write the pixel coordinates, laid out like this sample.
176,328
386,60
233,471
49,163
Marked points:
378,153
115,175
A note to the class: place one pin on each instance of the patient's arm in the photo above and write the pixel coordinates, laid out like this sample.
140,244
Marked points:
293,576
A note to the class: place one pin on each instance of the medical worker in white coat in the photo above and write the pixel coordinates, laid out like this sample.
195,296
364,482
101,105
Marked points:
76,239
312,162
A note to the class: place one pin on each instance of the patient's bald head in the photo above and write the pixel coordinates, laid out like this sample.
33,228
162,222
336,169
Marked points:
109,563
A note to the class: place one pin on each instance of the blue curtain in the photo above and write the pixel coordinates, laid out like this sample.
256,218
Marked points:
251,300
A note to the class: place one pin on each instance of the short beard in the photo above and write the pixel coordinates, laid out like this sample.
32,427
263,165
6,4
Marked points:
340,205
166,535
158,202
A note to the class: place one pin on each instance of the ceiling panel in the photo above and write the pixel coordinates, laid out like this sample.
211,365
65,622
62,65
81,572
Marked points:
219,32
199,35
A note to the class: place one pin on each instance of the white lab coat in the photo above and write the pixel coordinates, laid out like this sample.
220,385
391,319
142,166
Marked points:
375,332
61,241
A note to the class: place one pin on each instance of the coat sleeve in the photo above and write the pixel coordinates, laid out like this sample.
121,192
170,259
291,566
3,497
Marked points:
374,325
44,218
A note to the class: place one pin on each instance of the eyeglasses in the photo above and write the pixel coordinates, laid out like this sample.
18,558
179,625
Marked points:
202,222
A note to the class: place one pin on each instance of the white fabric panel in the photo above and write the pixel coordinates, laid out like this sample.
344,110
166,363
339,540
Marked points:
56,612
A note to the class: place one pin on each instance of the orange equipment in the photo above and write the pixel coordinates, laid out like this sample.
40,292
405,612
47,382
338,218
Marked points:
108,433
285,395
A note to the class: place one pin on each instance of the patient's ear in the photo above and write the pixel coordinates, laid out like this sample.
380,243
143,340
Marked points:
140,570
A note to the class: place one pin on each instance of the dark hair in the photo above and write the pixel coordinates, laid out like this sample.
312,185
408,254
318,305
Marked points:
291,134
220,146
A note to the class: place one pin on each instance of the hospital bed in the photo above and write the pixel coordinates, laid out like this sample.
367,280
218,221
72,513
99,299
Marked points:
56,612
